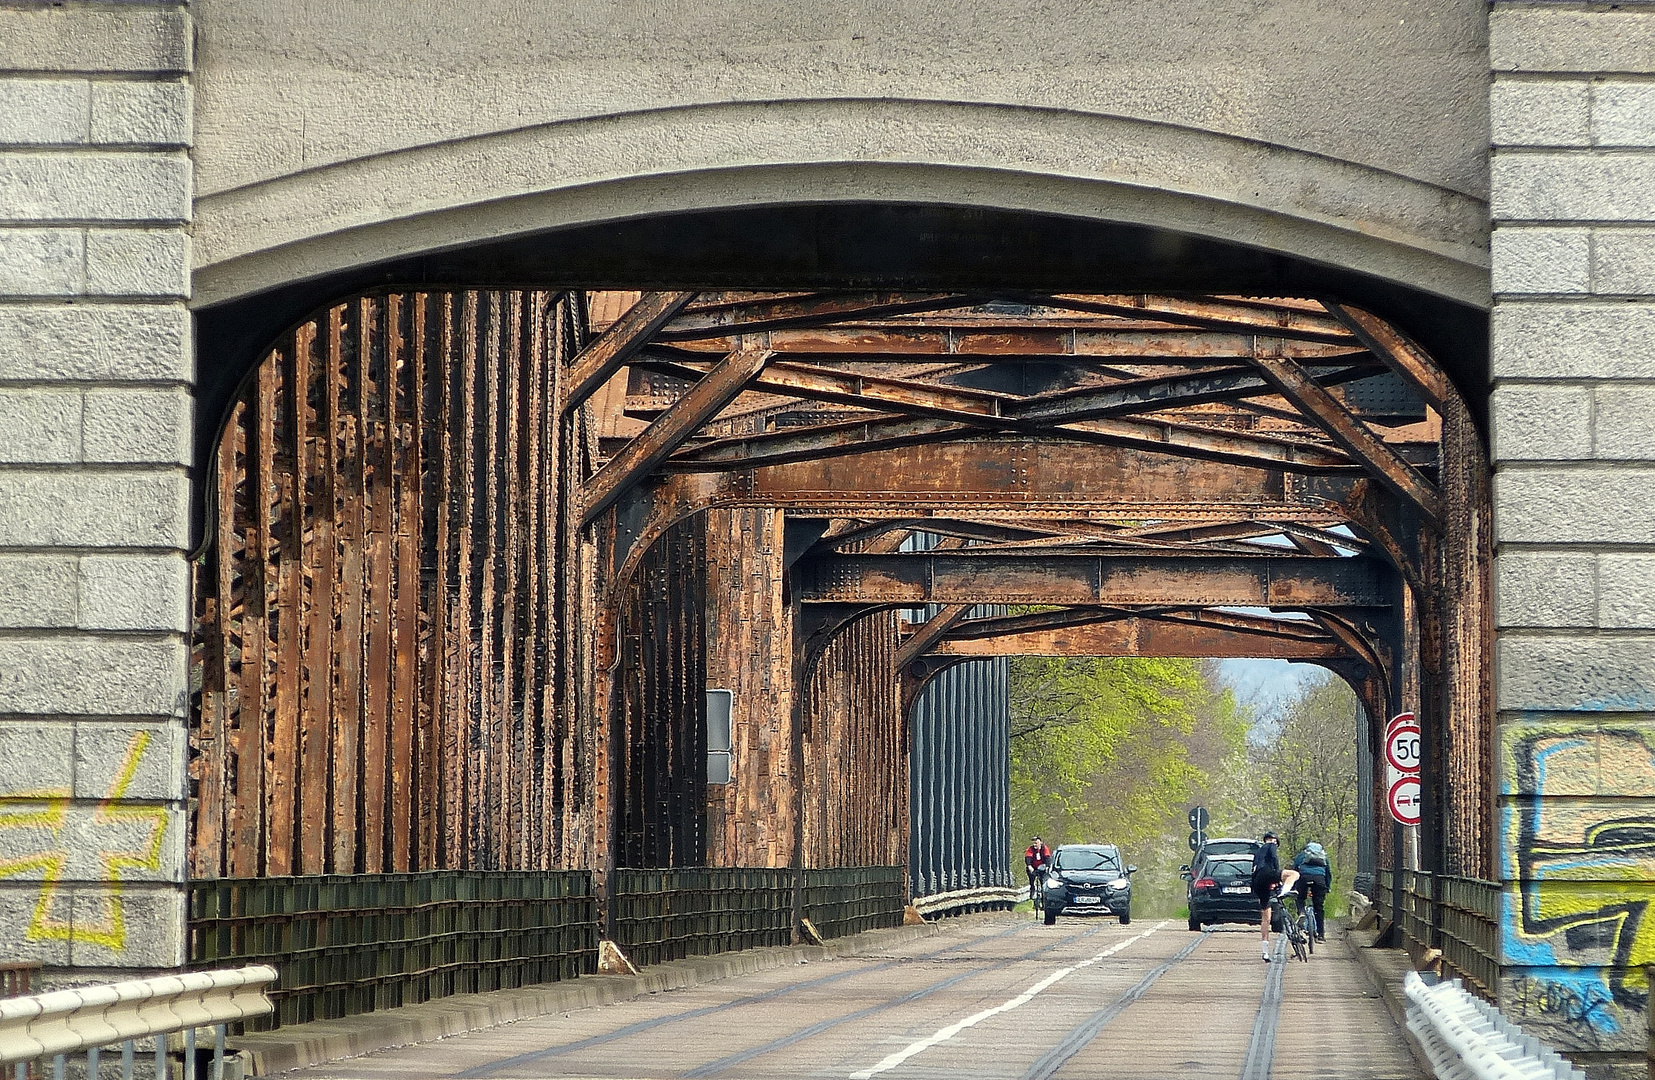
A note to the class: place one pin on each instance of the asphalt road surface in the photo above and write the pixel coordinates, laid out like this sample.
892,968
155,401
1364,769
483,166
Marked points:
998,997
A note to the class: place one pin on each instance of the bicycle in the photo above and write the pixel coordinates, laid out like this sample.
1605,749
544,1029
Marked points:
1299,927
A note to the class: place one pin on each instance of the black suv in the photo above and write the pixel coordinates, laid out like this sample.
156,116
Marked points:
1087,879
1221,891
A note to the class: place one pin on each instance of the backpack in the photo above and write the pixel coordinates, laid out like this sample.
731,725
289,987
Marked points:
1313,859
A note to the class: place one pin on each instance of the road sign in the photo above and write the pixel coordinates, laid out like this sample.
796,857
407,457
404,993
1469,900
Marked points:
1404,800
1197,838
1400,719
1402,748
1199,819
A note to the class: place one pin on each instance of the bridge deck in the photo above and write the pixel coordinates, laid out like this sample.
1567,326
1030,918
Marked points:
1085,998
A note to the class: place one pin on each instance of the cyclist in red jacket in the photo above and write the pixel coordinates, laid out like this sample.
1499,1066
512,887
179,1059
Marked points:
1036,857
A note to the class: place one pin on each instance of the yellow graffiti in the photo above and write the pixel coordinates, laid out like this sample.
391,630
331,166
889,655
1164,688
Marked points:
52,814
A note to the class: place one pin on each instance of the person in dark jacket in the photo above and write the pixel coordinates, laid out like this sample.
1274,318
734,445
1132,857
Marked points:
1315,875
1268,876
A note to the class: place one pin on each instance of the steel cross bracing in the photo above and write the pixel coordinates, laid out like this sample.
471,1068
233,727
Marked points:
1122,433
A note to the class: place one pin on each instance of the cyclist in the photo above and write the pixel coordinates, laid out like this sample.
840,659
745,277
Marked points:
1268,878
1315,875
1036,857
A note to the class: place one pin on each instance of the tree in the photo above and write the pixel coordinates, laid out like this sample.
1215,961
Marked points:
1307,773
1116,750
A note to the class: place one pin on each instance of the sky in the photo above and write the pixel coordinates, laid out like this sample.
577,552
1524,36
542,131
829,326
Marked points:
1265,685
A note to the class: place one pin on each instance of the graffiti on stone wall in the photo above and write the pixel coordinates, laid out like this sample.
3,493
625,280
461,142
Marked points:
1584,867
126,839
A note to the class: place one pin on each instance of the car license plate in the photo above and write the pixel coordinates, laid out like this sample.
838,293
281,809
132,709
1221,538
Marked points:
1238,888
1086,899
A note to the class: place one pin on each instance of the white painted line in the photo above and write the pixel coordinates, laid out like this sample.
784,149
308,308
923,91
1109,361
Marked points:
942,1035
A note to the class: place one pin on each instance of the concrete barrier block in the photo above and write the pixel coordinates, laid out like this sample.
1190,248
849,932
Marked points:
44,112
1623,262
50,342
1586,340
1605,505
30,930
127,38
1541,423
1597,674
153,113
145,760
94,509
42,262
1623,421
40,426
128,926
94,186
86,675
138,262
1525,113
39,757
134,592
1626,594
1541,260
1623,114
1545,589
1558,38
1568,186
37,591
138,426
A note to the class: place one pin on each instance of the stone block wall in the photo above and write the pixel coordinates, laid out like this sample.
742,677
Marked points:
95,435
1572,110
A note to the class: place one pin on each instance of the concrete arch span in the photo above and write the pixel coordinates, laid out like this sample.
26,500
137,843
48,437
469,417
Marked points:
655,162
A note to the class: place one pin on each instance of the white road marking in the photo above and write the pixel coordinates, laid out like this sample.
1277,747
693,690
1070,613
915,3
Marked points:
942,1035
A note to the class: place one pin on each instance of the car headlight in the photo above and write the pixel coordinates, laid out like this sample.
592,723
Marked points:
1054,882
1119,883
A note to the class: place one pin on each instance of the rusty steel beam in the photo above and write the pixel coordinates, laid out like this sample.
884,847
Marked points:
961,577
897,343
930,632
599,361
1161,393
670,430
1344,428
1211,313
1141,636
1068,617
791,312
1410,362
854,436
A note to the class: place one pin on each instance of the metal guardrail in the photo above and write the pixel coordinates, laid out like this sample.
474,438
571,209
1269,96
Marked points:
63,1022
853,899
1458,916
1469,1039
968,900
349,944
662,915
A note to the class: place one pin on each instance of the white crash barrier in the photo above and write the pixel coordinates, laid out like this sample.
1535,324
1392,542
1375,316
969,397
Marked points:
1469,1039
85,1019
937,903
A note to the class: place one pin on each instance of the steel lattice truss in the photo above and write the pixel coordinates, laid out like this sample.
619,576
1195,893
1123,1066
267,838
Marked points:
1143,464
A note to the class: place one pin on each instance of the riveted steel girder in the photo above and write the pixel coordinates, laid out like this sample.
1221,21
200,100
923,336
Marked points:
960,577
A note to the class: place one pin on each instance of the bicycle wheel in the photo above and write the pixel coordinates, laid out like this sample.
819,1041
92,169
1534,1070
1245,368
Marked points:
1307,924
1297,939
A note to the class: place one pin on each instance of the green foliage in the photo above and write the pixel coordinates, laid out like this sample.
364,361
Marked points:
1116,751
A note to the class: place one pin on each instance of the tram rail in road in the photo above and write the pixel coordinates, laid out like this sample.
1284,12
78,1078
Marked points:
1001,997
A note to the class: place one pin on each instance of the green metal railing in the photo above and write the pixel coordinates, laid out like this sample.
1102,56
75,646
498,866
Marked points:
854,899
349,944
661,915
1457,915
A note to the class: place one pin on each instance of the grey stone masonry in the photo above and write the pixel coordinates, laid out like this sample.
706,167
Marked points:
1572,113
95,435
1573,409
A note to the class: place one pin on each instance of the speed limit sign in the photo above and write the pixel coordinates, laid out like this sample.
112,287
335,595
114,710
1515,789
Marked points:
1403,799
1402,748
